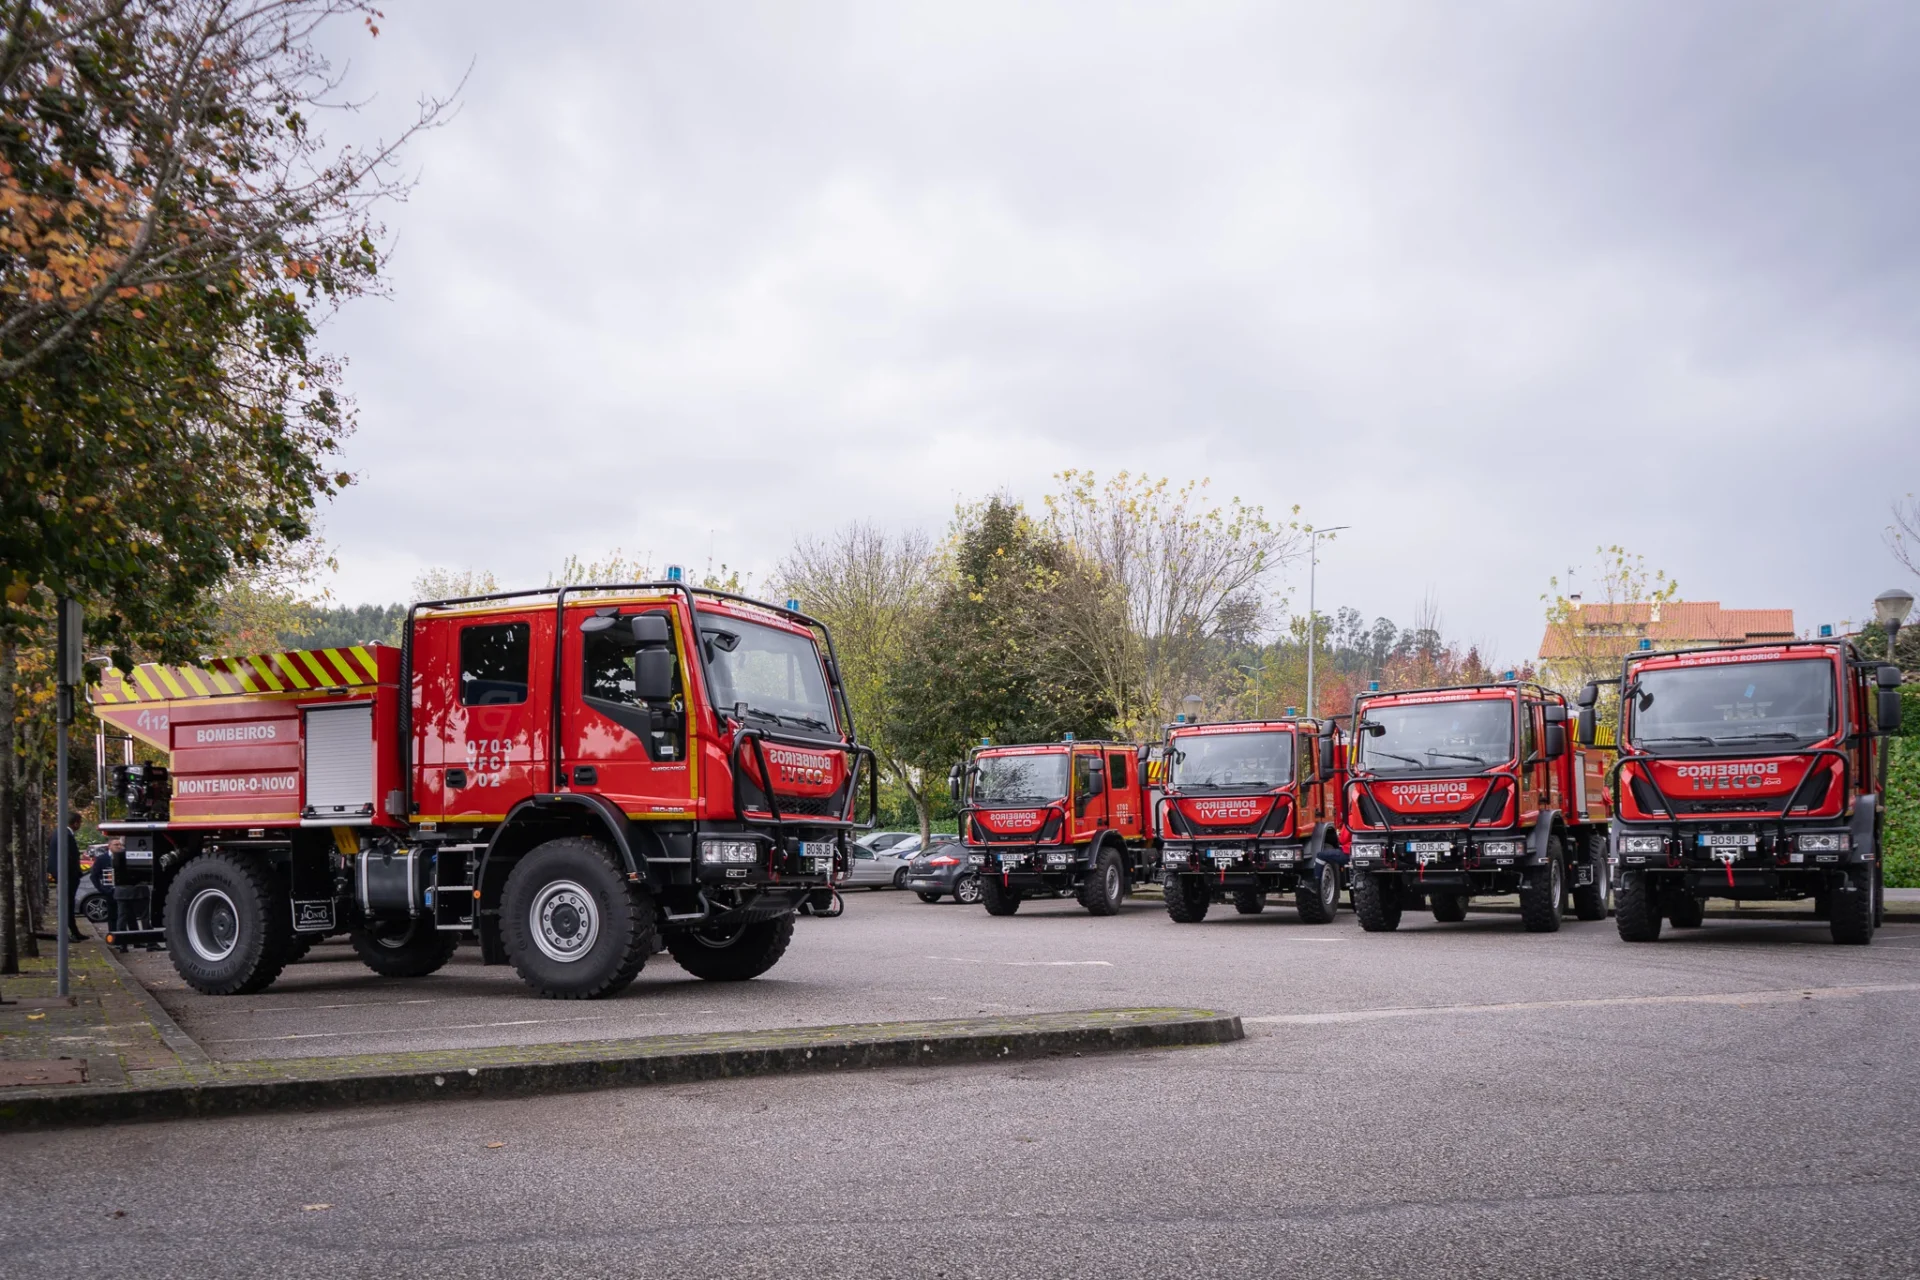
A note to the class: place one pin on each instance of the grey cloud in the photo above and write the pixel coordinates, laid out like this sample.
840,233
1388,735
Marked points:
1494,284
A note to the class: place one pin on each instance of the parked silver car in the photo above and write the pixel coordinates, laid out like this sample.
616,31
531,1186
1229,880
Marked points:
884,870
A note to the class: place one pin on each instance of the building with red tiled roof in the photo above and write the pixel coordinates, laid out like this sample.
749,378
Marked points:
1675,624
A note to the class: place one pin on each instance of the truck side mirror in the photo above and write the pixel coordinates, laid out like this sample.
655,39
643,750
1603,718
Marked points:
1585,729
1373,728
650,631
1588,695
1326,761
1889,717
953,785
1556,714
653,675
1888,676
1556,741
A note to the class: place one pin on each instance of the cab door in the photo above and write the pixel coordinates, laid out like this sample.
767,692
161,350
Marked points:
1308,792
612,742
1089,793
1123,794
494,723
1536,786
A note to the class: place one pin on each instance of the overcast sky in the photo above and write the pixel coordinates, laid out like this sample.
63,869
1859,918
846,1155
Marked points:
1493,284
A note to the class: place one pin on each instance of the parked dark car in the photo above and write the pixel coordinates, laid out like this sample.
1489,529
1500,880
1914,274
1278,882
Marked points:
943,870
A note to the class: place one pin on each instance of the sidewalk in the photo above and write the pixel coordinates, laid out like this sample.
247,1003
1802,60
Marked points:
109,1053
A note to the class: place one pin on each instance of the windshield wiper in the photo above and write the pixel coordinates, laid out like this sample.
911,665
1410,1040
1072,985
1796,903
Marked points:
1771,735
1455,755
1394,755
1685,737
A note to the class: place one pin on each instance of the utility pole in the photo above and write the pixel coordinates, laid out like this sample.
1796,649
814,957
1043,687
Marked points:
1890,608
1313,619
68,672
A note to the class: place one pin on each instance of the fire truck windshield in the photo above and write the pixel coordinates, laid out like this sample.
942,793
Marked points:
1737,705
776,673
1005,780
1232,761
1437,735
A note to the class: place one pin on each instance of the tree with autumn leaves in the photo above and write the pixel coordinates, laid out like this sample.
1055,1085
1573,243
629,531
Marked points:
172,223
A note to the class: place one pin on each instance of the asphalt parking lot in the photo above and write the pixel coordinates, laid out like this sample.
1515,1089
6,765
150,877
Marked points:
891,957
1736,1101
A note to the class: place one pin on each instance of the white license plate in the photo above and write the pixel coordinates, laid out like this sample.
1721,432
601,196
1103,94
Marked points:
816,849
1714,840
1429,846
1224,855
1012,859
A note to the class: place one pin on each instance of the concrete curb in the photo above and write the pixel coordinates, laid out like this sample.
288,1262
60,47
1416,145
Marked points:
184,1046
239,1088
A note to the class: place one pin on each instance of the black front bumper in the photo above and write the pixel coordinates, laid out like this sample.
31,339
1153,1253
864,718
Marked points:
1227,866
1031,868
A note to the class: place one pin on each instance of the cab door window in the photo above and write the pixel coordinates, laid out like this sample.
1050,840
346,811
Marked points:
607,685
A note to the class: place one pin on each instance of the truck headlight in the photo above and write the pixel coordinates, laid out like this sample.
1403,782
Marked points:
1643,844
1822,842
976,859
729,851
1058,859
1500,849
1368,852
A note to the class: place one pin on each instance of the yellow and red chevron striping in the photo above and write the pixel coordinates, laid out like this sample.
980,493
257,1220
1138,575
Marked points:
348,667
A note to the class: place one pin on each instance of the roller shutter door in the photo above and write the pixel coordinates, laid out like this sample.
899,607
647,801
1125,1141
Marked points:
340,762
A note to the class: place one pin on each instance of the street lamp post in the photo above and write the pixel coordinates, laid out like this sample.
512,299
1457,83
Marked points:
1192,702
1891,609
1257,670
1313,619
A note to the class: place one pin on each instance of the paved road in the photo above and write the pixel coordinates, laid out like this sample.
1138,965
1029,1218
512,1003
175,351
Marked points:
892,957
1465,1100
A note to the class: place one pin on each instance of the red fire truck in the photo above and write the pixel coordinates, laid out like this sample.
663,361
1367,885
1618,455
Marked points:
1252,807
1474,790
1747,771
1052,817
565,775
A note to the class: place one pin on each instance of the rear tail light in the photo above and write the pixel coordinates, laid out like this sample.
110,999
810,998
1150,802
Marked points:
943,861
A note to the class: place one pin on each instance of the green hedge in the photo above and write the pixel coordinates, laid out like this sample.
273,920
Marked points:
1903,796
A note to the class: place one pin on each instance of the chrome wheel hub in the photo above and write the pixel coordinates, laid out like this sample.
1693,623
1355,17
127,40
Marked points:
564,921
213,925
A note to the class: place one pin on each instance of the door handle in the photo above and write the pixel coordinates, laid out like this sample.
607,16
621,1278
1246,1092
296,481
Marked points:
585,775
456,779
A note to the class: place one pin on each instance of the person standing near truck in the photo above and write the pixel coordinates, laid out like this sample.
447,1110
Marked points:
66,844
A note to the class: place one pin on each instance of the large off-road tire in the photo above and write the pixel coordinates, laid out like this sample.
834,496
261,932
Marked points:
574,928
1376,902
413,950
1686,911
997,897
1249,902
228,923
1593,901
1879,894
928,897
1541,892
1106,885
1851,911
732,955
1187,899
298,944
1636,913
1448,908
1318,897
967,891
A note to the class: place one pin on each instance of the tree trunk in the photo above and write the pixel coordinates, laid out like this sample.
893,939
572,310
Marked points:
9,896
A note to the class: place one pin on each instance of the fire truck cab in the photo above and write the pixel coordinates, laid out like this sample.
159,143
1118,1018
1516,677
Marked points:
570,777
1049,818
1467,791
1251,808
1748,772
